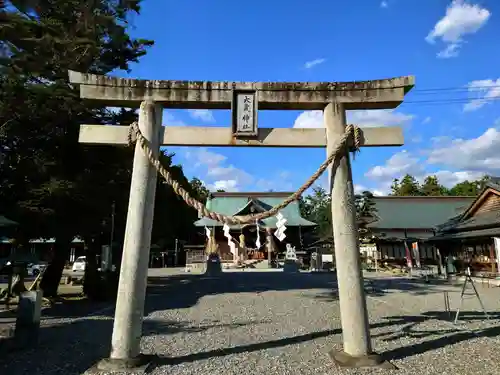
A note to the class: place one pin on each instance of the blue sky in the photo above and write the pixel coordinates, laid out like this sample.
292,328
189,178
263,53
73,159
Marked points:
451,47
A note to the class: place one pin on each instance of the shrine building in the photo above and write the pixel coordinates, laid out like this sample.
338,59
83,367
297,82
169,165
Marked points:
241,203
473,236
406,220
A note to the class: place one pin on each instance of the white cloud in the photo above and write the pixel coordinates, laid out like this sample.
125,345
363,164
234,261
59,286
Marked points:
482,91
426,120
313,63
450,51
284,175
226,185
450,179
216,174
384,4
378,117
230,173
461,19
201,156
281,183
358,189
366,118
397,165
275,185
403,163
479,154
455,160
170,120
309,119
416,139
202,114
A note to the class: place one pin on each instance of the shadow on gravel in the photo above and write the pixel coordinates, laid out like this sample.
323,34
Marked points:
72,348
450,336
172,361
379,287
75,308
183,291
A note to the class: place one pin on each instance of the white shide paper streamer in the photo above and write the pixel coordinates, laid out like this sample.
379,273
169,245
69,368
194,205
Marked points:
232,246
257,241
280,225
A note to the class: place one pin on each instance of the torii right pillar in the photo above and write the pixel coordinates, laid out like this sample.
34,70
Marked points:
357,351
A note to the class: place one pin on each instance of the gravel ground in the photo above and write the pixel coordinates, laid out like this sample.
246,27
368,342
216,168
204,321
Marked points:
276,323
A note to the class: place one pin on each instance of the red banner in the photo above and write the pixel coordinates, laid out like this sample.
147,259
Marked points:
416,253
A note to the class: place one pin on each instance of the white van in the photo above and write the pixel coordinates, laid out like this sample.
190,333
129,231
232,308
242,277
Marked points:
79,264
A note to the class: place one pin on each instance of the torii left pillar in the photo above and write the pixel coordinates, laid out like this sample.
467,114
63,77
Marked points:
127,325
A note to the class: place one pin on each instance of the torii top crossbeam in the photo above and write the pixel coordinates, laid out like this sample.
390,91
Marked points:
127,92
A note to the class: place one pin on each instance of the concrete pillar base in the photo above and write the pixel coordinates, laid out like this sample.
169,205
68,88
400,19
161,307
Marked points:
138,365
374,360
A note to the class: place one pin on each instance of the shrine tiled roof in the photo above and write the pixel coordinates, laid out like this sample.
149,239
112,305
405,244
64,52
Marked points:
468,225
239,203
417,212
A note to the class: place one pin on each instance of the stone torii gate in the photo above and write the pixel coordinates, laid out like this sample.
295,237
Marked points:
244,98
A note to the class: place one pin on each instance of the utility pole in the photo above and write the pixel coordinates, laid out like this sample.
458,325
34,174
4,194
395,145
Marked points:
176,251
112,235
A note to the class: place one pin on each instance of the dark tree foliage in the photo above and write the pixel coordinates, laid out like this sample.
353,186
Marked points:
49,183
316,207
409,186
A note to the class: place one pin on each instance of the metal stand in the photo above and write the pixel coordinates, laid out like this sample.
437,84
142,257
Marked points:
468,279
447,304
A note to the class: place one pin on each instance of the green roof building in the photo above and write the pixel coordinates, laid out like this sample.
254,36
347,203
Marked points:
240,203
469,237
415,217
233,204
410,220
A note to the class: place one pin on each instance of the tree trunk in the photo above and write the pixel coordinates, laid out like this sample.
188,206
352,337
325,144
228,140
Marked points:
52,275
